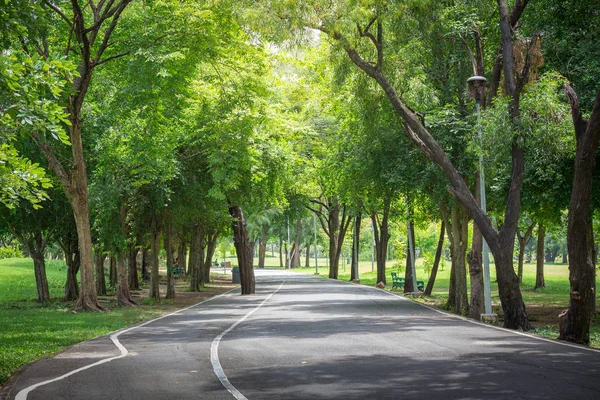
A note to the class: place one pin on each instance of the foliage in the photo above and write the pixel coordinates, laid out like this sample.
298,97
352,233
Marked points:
10,252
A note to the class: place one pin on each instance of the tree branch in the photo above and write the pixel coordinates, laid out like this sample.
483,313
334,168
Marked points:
56,166
58,11
123,54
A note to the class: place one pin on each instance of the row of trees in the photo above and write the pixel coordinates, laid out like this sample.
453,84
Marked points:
168,124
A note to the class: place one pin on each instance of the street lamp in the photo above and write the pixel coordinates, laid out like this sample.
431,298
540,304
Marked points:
477,89
316,248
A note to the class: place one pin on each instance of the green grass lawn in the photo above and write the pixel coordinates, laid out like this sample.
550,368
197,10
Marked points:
29,330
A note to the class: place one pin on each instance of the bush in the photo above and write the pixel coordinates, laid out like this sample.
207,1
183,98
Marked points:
10,252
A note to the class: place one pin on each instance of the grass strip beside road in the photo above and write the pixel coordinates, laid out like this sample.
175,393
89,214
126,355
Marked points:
29,331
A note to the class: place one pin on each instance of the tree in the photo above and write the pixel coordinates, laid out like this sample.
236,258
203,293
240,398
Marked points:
576,320
368,26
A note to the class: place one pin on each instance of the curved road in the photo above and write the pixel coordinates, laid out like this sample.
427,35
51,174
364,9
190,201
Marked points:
311,338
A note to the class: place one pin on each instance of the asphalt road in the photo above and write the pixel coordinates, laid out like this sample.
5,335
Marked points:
310,338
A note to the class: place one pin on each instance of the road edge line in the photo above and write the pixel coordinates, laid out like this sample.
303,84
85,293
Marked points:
114,337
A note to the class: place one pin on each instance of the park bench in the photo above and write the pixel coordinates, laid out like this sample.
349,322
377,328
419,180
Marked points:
177,272
397,282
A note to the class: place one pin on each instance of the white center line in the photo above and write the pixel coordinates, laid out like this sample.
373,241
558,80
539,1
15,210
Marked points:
214,351
22,395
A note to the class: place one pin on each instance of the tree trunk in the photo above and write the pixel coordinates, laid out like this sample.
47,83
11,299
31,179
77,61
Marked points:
169,250
354,274
241,242
182,256
436,263
211,246
515,315
408,273
457,298
334,228
523,241
112,279
382,237
295,257
196,264
35,246
280,253
575,324
475,261
39,267
134,280
307,260
100,277
287,257
123,295
72,260
145,273
262,247
154,274
539,269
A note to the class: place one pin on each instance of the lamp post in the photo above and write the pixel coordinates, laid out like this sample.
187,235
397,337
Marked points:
477,84
372,247
316,248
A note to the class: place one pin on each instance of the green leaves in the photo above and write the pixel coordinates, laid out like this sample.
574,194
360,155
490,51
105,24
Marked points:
20,179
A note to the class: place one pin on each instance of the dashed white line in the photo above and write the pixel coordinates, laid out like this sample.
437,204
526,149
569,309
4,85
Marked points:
214,351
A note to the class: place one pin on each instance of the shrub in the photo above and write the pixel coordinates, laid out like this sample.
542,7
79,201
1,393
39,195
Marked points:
10,252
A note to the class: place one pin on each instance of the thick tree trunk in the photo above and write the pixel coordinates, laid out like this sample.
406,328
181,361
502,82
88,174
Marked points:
123,294
211,246
72,261
382,237
241,242
457,299
436,262
475,261
112,278
515,315
154,274
100,277
354,274
36,246
575,324
134,280
295,257
539,269
196,264
39,267
262,247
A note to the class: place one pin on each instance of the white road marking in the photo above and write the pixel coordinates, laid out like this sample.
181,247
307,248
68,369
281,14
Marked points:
214,351
22,395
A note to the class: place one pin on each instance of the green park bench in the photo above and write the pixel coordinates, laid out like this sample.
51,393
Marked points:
177,272
397,282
